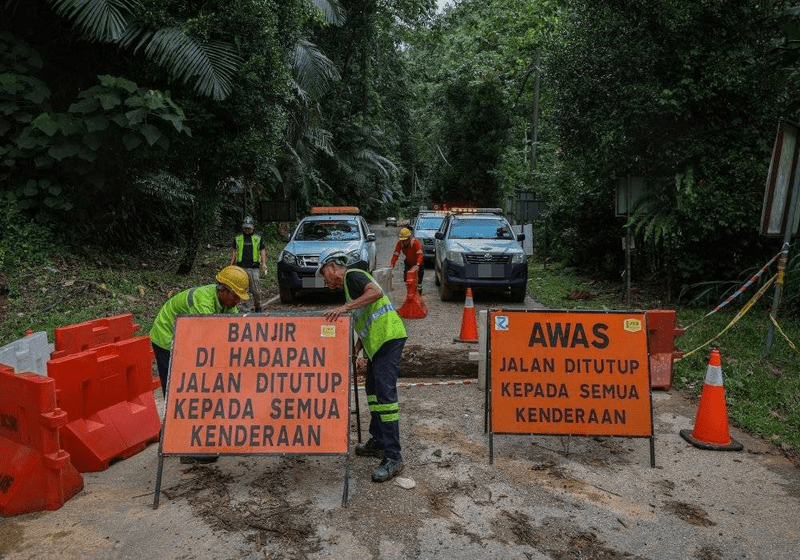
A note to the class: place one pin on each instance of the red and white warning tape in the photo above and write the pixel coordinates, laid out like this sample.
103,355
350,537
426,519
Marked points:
461,382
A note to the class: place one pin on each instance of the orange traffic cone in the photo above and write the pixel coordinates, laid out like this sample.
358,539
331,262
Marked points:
469,324
414,307
711,424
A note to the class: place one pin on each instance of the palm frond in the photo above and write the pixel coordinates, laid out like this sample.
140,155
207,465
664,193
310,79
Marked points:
331,9
165,186
101,20
321,139
212,64
370,159
312,69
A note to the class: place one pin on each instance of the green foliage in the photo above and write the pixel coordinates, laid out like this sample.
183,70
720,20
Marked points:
47,153
210,65
762,395
473,84
21,241
686,95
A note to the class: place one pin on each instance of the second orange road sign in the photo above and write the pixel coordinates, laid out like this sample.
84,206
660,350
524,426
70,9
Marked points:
569,373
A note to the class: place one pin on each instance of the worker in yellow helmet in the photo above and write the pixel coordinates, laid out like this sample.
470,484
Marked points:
411,249
222,297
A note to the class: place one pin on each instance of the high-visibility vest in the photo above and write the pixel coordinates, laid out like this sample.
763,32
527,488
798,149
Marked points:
255,239
376,323
194,301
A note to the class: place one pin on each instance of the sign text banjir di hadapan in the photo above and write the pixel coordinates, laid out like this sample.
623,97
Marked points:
258,385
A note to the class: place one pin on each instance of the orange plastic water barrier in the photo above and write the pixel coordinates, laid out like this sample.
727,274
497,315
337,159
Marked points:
91,334
107,393
35,473
662,331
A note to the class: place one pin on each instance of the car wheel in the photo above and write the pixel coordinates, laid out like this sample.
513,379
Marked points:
445,293
287,295
518,293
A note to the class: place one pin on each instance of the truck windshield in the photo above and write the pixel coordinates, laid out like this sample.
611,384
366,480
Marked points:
429,222
333,230
481,228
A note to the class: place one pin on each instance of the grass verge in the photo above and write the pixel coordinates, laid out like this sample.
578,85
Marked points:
763,395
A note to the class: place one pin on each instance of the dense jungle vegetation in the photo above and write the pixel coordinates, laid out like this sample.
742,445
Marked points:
128,125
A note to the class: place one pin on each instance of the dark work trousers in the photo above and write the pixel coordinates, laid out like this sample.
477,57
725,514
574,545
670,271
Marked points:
420,271
381,386
162,362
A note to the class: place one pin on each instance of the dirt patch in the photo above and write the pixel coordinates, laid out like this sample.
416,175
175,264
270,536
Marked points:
558,538
433,362
266,516
689,513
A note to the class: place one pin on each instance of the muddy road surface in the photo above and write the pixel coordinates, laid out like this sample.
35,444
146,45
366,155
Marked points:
542,497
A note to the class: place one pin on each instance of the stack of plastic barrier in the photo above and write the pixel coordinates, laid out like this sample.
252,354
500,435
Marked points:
107,393
35,473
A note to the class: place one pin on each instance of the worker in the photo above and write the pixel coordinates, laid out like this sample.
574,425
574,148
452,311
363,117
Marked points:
222,297
414,258
382,336
250,254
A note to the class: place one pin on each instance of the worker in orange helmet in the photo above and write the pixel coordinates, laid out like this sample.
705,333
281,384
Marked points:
411,249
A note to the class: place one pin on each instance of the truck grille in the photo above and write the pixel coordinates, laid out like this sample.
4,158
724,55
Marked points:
487,258
308,260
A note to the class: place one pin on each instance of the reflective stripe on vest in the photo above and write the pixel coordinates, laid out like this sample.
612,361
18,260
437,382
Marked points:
376,323
255,239
362,331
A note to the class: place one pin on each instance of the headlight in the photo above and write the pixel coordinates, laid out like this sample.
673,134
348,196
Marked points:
354,256
288,258
455,257
518,258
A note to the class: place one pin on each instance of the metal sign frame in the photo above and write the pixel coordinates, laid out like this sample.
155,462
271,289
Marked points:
537,374
782,183
236,374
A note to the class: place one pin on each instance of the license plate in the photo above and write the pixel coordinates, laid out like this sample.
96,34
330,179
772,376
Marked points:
313,282
490,271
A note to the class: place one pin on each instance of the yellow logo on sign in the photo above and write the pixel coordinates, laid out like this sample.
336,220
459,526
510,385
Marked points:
328,331
632,325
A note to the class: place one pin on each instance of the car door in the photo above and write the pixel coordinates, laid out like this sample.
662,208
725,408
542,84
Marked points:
371,243
439,245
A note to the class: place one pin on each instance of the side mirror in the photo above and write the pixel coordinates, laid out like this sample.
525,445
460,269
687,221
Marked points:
371,237
521,237
439,235
286,237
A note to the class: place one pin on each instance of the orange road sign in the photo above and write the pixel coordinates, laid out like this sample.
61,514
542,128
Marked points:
258,385
569,373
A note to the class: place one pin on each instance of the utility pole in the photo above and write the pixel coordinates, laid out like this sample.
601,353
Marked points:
535,115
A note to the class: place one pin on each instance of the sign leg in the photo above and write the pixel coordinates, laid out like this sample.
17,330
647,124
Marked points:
158,481
346,482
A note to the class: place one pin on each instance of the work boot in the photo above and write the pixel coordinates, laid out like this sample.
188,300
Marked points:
198,459
369,449
388,469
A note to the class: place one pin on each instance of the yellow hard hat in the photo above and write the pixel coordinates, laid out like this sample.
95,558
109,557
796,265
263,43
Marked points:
405,233
235,278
